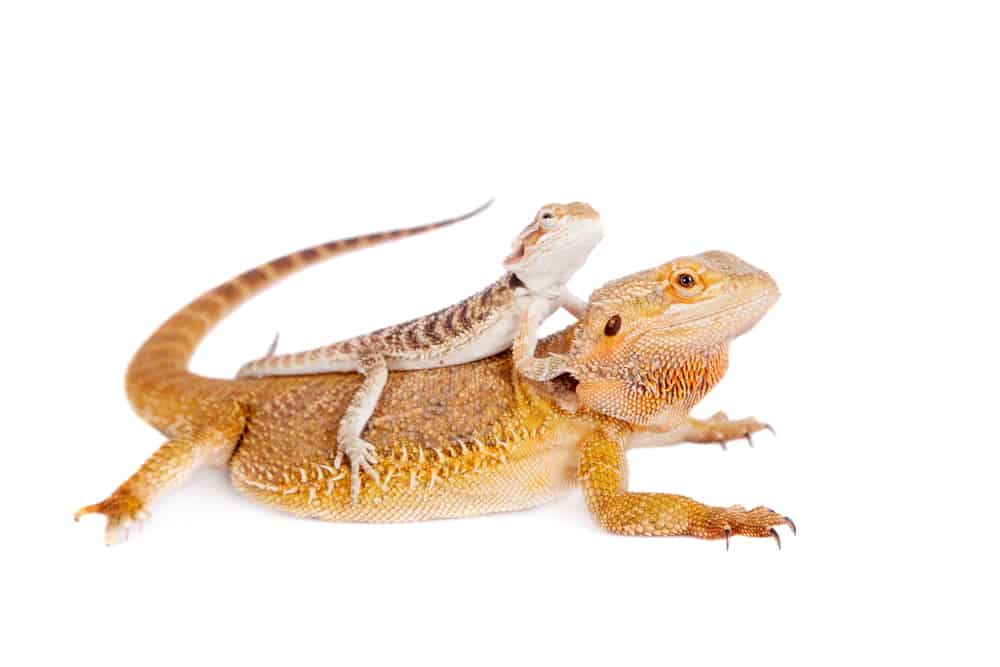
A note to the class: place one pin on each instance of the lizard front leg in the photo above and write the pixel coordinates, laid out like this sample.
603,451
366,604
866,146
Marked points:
718,429
531,314
167,468
361,453
603,474
571,303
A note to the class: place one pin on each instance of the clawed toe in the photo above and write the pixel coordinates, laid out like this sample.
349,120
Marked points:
124,513
758,522
362,457
720,429
777,538
774,531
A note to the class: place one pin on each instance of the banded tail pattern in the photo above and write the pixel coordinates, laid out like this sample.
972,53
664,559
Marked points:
158,383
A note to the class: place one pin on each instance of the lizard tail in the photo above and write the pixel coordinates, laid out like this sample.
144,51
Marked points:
158,383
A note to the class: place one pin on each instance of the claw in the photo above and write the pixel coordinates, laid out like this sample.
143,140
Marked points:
360,459
771,429
729,531
791,524
749,438
722,443
777,538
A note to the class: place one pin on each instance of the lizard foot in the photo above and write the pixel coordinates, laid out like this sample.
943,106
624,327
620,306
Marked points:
361,455
124,511
724,522
720,429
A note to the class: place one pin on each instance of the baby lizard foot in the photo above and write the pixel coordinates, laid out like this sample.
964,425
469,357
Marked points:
736,520
720,429
361,455
124,512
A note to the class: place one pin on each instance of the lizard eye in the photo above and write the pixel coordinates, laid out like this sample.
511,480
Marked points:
547,219
686,283
613,326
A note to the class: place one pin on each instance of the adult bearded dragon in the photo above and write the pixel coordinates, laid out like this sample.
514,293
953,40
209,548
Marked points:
470,438
545,256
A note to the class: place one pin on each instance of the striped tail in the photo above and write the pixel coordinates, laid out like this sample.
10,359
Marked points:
158,383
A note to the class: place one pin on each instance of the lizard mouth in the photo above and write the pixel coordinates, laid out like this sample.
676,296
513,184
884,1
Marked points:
754,309
516,255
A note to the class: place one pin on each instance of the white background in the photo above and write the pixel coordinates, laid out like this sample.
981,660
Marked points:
850,148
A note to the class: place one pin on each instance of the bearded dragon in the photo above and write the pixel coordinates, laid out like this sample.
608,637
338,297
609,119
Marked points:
471,438
545,255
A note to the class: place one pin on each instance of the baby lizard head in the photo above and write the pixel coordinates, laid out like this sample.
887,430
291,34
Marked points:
652,344
555,245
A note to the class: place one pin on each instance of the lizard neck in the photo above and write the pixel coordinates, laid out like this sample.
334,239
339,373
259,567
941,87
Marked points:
655,386
544,282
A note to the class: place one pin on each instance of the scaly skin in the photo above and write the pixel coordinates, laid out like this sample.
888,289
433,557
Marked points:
468,439
545,256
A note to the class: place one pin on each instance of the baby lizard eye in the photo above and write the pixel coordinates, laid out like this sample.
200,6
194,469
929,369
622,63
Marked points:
547,219
685,280
613,326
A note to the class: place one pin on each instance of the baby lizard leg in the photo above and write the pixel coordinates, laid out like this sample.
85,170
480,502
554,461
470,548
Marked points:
717,430
604,477
166,469
573,304
273,347
361,453
525,341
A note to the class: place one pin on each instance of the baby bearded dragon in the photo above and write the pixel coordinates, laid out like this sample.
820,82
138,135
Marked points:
467,439
545,256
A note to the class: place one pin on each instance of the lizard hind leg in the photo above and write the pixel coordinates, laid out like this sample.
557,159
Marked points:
361,453
124,512
274,345
166,469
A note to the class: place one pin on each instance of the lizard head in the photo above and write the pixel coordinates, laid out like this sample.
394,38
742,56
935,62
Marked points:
555,245
652,344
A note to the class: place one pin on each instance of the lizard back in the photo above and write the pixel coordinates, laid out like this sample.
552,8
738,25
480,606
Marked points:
442,336
468,428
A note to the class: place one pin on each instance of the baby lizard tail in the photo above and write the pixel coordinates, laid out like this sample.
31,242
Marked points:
159,367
